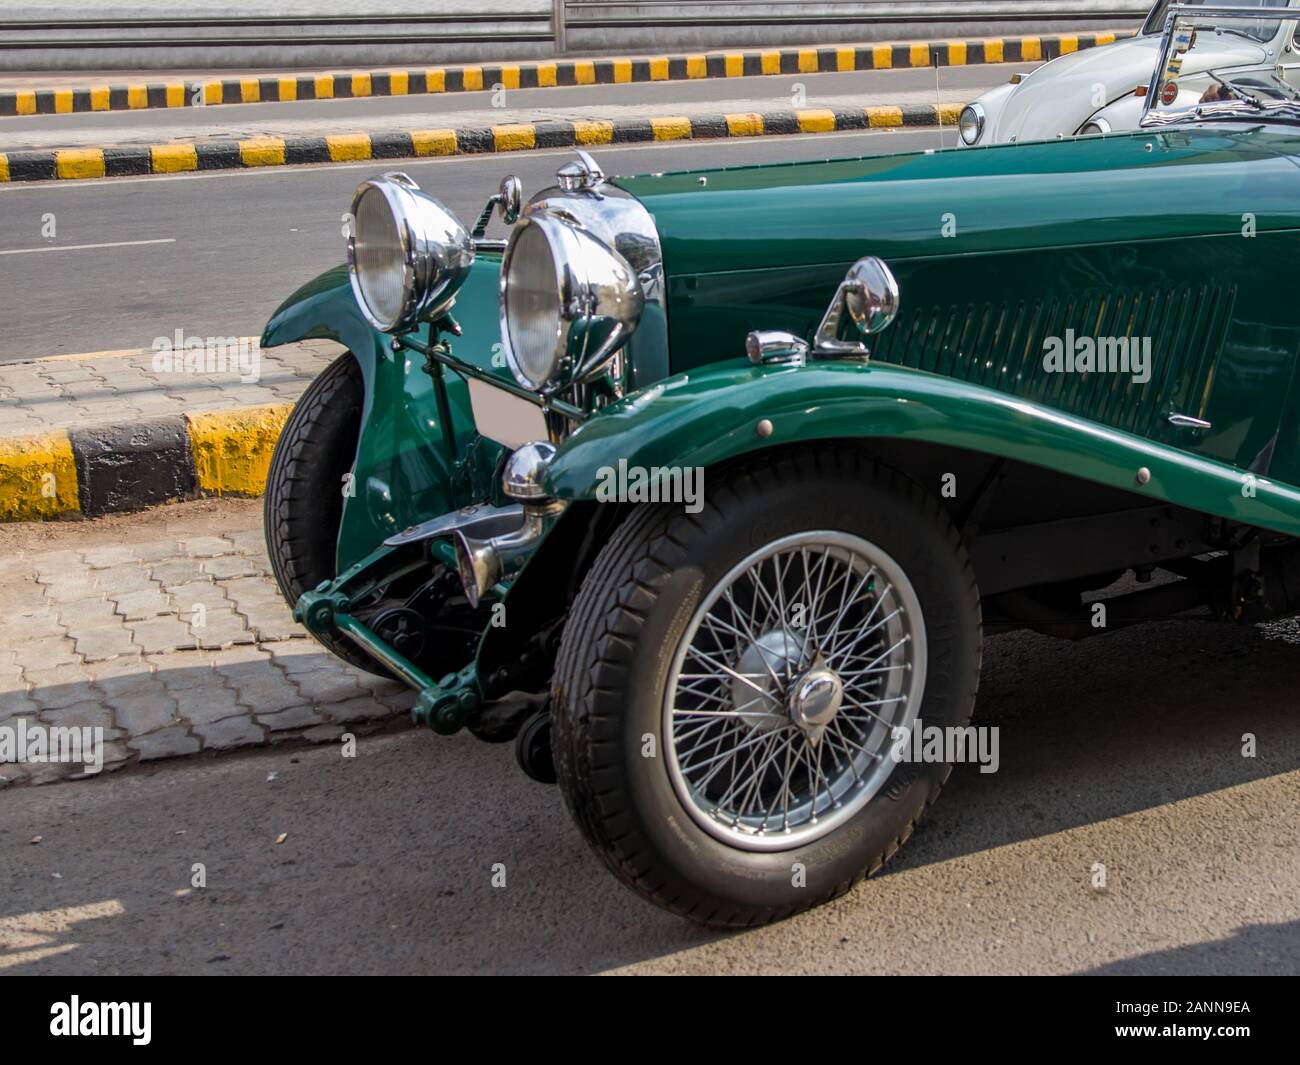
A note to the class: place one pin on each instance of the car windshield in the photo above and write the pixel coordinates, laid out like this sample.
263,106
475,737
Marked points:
1258,30
1203,77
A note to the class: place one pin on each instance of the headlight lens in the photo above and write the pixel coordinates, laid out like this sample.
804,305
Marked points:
970,123
531,307
408,255
568,303
1094,126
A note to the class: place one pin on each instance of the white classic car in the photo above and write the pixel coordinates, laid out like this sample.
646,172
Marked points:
1102,89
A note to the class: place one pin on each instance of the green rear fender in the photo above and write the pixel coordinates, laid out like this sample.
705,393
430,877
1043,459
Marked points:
704,417
404,472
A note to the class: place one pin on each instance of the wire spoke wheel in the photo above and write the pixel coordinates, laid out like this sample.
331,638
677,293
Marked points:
786,688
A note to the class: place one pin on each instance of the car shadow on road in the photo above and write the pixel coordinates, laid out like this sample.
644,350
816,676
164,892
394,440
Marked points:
435,854
1252,948
1119,723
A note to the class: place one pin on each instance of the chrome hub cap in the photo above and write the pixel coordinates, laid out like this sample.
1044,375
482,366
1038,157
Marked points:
815,699
786,687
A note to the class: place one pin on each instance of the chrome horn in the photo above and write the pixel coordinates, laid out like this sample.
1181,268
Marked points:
483,562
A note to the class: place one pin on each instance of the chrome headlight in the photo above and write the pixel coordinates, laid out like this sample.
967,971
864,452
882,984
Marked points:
408,254
970,123
568,303
1094,126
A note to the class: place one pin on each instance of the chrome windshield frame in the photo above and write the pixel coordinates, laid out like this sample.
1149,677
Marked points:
1226,108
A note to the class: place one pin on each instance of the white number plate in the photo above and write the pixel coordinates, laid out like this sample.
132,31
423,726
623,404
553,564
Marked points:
507,419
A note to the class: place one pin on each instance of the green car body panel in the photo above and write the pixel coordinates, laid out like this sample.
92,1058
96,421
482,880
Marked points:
705,417
403,473
997,249
1187,236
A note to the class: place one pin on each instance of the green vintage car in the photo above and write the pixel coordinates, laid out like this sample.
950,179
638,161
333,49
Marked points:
705,488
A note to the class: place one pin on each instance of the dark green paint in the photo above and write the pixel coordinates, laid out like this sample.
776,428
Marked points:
707,416
403,473
997,249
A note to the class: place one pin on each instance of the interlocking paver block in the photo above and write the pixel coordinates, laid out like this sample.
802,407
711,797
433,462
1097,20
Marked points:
82,715
63,590
232,732
157,551
250,541
161,634
16,704
165,743
265,690
179,672
61,686
103,642
208,704
327,685
108,557
238,657
123,579
207,546
35,624
142,712
291,718
123,676
89,611
271,622
228,566
60,563
221,627
47,652
173,573
138,606
361,709
323,733
301,656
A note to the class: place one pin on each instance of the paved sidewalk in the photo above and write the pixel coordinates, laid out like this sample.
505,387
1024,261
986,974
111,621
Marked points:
64,391
168,632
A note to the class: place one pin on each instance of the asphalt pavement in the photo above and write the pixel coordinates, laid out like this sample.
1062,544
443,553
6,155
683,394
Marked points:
215,253
109,264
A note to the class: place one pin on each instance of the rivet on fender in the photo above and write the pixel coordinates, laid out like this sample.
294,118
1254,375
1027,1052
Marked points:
1143,475
764,428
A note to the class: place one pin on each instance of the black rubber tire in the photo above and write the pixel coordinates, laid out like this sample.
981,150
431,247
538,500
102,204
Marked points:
623,630
303,505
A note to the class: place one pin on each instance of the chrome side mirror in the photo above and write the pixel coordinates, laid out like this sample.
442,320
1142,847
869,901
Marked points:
867,297
510,198
507,201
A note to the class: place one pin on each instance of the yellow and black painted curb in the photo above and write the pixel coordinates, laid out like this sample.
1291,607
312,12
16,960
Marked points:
685,67
81,163
106,469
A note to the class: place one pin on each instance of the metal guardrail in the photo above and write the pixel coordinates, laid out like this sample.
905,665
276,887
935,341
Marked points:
611,26
407,29
570,15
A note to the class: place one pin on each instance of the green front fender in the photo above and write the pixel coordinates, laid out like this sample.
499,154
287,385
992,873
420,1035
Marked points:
404,472
704,417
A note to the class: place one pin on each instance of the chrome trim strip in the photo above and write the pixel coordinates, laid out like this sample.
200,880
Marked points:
481,519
